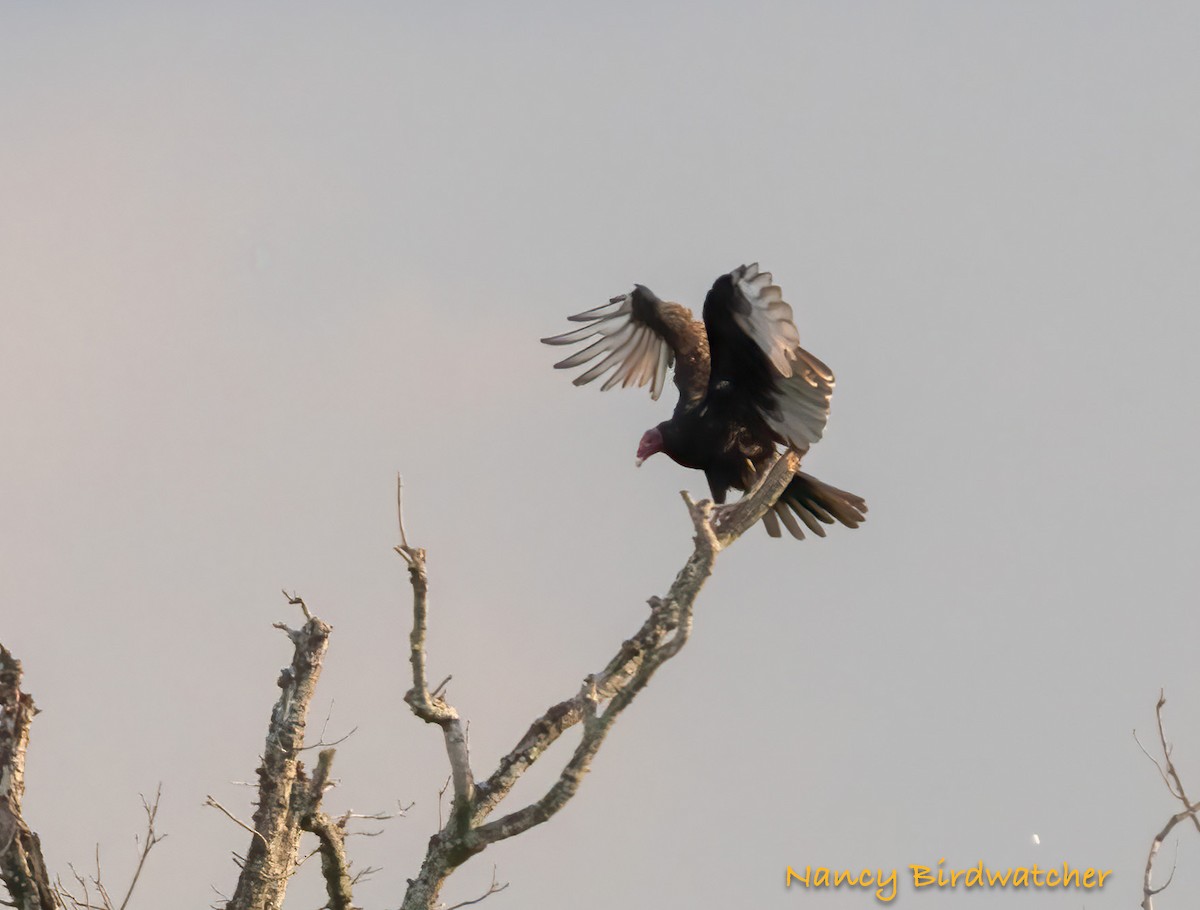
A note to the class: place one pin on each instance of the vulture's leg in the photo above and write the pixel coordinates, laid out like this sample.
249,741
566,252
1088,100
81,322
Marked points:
719,490
716,487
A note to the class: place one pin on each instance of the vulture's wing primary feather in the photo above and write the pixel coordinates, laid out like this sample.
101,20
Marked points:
640,337
755,350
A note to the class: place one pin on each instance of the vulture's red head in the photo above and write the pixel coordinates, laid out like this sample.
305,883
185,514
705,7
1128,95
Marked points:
652,441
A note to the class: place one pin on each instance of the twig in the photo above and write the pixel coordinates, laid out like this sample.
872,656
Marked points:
400,510
305,858
441,793
320,743
493,888
294,599
209,801
152,839
401,811
363,874
1157,764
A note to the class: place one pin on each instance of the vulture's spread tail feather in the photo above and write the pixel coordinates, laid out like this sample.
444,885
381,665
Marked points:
814,503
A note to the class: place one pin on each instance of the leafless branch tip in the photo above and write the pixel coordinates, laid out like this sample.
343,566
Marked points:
1174,785
296,600
493,888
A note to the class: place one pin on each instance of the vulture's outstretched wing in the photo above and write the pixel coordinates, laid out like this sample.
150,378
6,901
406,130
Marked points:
640,337
755,350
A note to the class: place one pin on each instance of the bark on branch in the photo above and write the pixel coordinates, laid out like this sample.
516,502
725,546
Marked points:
22,868
288,802
432,707
597,705
331,834
735,520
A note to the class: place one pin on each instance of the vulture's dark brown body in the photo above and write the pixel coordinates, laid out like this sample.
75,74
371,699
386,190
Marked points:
746,387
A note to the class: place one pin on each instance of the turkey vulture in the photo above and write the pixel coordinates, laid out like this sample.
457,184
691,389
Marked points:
745,388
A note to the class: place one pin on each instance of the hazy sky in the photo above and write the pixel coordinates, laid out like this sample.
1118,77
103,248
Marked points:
254,260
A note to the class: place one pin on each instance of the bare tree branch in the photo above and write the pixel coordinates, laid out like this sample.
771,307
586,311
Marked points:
1148,891
100,889
1162,772
213,804
735,520
289,802
620,688
1174,784
332,836
321,743
433,708
1178,790
400,510
22,868
493,888
152,839
85,902
283,793
597,704
294,600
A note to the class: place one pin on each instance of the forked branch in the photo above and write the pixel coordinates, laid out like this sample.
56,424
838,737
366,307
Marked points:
432,707
287,799
597,705
83,900
1174,783
331,834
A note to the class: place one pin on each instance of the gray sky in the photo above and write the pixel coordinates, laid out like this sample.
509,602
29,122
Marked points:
254,260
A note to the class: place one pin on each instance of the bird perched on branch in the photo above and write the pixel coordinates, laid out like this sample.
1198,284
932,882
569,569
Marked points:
745,386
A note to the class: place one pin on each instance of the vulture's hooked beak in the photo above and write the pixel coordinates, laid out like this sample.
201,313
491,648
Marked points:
640,461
